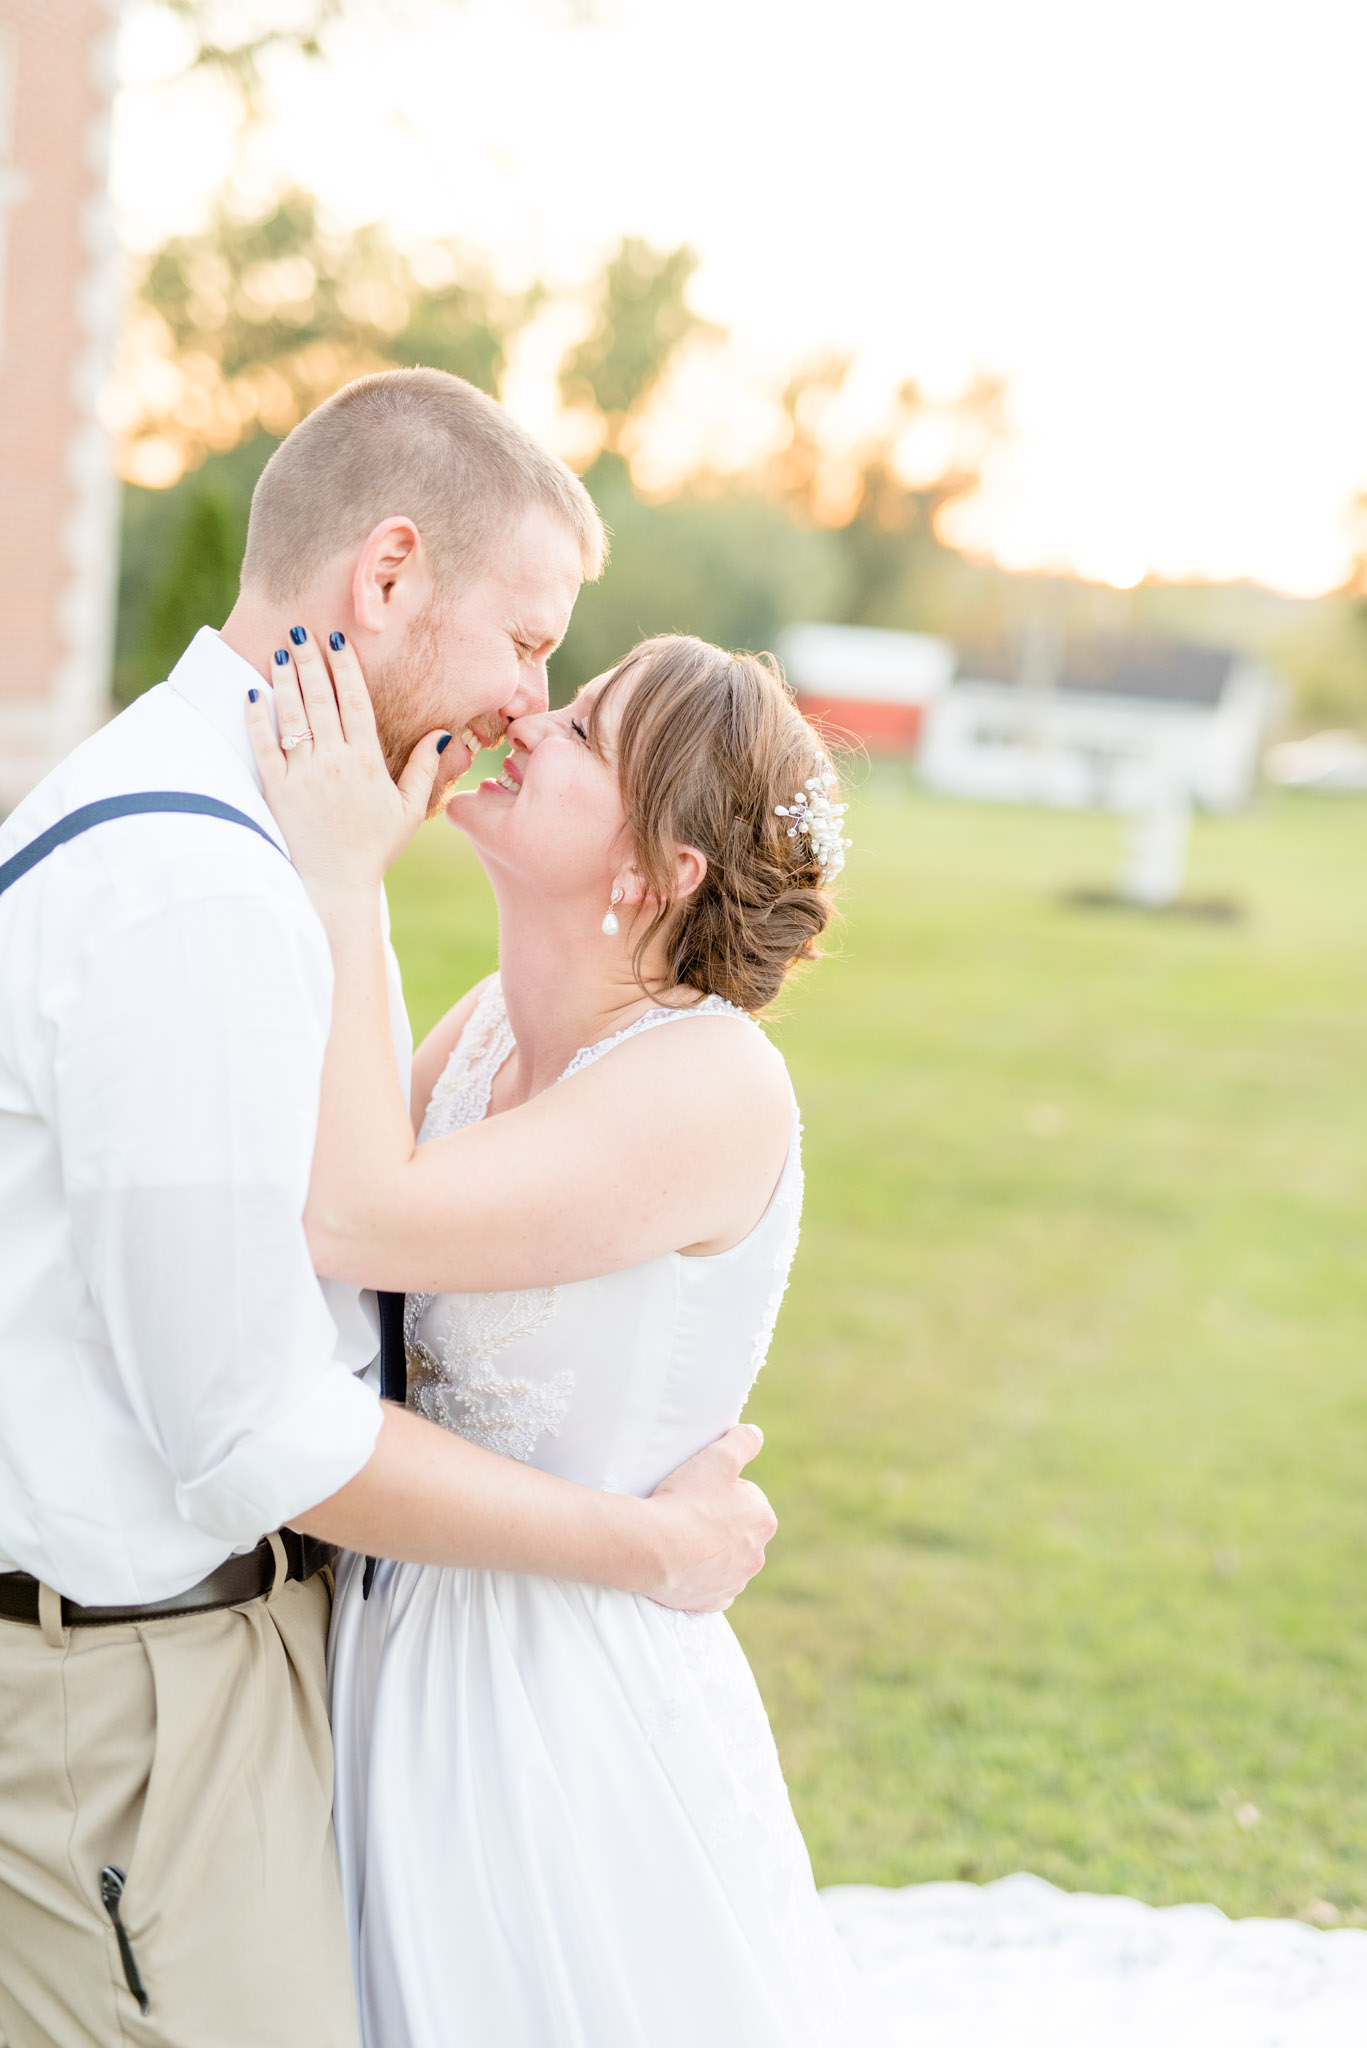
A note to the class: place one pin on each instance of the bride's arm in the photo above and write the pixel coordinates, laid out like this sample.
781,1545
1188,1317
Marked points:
566,1187
425,1493
674,1141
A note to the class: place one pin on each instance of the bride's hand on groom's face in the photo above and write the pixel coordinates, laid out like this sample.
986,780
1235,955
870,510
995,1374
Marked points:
323,771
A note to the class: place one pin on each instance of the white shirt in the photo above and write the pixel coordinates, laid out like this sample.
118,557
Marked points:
174,1381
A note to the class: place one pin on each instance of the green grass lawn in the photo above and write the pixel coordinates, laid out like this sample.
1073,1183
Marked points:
1067,1409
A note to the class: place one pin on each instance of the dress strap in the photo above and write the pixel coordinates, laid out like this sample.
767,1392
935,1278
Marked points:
710,1006
466,1082
485,1026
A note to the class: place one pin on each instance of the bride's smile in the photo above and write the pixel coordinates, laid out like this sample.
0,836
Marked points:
551,826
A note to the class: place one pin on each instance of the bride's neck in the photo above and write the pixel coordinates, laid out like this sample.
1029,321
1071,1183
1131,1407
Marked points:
563,988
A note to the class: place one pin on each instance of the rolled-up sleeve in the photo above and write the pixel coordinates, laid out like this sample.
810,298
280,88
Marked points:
187,1065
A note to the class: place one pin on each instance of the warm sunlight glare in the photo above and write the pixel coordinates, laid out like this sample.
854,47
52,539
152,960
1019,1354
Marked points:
1143,218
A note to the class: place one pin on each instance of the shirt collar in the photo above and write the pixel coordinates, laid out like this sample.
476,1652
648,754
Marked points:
216,681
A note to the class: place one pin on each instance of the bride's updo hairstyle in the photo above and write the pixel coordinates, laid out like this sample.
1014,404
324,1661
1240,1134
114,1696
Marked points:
708,746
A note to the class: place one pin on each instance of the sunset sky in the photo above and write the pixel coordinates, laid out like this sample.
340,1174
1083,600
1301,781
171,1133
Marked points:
1147,219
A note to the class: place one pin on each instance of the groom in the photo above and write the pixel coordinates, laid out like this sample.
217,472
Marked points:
175,1385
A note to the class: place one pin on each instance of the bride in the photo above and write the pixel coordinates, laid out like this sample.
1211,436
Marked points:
560,1813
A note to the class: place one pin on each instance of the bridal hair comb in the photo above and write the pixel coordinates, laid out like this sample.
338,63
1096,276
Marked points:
817,819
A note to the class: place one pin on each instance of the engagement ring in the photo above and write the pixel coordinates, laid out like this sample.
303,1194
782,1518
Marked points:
295,739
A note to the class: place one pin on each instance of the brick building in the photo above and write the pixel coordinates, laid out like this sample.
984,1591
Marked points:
58,313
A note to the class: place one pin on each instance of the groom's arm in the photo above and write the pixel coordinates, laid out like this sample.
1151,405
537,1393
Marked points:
429,1496
187,1057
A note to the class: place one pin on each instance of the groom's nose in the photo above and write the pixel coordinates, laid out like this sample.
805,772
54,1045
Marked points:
532,694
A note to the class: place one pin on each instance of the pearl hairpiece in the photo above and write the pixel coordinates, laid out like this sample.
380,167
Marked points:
818,820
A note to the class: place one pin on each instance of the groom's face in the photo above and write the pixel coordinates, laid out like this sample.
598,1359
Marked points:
476,659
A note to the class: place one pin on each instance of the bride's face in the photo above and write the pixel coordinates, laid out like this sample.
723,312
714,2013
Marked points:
554,815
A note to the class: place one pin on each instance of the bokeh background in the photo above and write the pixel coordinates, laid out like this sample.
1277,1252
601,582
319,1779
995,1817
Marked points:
973,322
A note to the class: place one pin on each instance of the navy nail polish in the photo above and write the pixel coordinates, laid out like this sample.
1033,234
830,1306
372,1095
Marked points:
443,743
282,655
298,635
336,641
252,696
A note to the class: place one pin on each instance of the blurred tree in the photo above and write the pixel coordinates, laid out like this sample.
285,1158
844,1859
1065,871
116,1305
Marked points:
641,317
231,41
198,586
718,560
886,524
262,317
731,568
157,616
799,469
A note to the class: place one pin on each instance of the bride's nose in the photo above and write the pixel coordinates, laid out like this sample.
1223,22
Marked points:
527,733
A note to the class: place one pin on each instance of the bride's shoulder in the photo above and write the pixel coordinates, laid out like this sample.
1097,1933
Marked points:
430,1059
719,1065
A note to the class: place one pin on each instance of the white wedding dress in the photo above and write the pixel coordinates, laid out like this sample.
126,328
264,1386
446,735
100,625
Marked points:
1019,1964
560,1814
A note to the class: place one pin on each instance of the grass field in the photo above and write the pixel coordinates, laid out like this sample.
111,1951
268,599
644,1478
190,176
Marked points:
1067,1410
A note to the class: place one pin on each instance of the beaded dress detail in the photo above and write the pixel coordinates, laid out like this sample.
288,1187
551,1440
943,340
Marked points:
503,1369
452,1339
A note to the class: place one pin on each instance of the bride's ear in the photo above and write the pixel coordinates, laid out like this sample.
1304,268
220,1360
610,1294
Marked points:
690,867
690,871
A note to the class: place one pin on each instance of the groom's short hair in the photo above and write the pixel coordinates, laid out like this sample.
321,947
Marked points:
417,444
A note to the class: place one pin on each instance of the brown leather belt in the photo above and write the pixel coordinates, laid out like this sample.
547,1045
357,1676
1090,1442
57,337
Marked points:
236,1580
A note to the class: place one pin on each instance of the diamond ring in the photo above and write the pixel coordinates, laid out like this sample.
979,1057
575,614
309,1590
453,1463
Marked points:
295,739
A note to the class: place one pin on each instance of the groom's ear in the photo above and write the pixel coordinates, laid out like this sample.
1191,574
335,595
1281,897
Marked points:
390,579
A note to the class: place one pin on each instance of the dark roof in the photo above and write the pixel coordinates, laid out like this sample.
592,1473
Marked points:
1171,671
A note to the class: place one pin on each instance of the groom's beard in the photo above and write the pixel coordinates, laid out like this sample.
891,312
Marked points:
405,692
442,793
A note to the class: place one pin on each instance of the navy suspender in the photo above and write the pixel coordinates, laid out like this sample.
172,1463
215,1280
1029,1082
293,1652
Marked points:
132,806
393,1382
393,1364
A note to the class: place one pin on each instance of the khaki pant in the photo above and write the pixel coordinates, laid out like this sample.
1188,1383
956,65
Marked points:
194,1754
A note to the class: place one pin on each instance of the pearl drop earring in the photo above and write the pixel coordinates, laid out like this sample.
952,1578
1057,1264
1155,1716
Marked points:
610,924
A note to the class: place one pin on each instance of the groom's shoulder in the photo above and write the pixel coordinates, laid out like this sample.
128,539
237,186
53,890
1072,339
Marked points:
135,865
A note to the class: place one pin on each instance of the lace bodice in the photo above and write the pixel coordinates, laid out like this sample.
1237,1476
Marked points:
614,1381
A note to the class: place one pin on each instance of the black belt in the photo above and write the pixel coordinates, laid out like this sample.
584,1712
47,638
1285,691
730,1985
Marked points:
236,1580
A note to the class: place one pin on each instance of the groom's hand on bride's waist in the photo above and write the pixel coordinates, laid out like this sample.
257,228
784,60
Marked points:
432,1497
711,1525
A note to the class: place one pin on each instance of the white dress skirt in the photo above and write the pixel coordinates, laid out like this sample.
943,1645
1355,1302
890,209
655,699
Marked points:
560,1813
1020,1964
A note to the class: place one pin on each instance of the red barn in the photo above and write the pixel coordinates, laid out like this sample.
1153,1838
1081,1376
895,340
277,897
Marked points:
866,682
